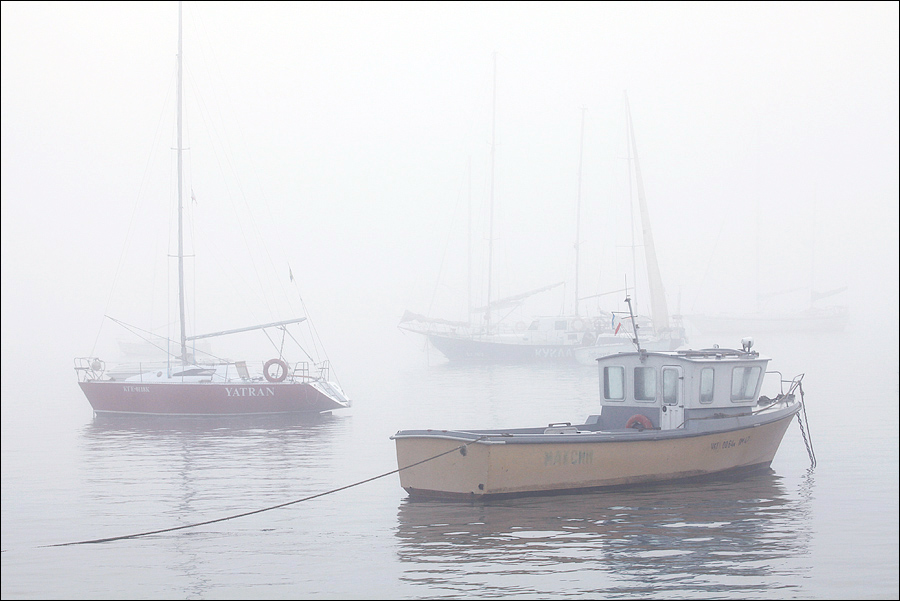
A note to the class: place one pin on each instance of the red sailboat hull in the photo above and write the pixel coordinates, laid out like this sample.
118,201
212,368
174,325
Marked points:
207,398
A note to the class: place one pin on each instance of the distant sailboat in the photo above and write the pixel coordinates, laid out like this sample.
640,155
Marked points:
812,319
798,312
182,384
567,338
657,333
539,339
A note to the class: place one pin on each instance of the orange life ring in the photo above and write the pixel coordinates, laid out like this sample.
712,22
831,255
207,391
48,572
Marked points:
638,421
278,376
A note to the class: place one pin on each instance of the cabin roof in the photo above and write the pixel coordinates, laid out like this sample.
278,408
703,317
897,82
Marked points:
687,355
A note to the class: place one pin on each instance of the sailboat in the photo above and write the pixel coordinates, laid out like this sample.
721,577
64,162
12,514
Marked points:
813,319
544,339
797,310
573,338
659,332
186,384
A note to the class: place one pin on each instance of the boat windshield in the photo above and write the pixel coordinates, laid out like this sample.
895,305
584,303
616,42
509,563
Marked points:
743,383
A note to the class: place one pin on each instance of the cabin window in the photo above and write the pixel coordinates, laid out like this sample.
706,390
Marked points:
644,384
560,325
534,325
743,383
670,381
707,379
614,383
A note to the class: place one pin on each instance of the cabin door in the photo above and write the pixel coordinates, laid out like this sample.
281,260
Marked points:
672,415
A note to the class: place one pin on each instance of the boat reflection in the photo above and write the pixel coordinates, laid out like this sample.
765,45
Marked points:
146,474
105,424
724,537
262,456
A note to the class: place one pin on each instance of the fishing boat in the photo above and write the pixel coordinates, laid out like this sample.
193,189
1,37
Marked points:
188,382
664,416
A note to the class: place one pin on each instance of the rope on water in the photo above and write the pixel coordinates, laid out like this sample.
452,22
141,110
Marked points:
240,515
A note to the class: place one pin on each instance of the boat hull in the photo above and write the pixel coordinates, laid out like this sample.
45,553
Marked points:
207,398
478,350
474,466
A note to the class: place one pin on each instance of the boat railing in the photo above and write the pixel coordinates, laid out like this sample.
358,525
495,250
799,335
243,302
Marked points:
89,368
303,371
782,396
324,369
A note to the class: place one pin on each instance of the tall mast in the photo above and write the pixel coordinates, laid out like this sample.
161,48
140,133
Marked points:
469,246
487,317
184,356
578,212
634,264
659,312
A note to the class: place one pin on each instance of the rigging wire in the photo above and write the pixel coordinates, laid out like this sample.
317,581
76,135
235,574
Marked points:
133,218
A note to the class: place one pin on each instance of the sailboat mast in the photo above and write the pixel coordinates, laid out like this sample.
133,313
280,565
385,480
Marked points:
487,317
469,246
184,356
630,197
659,312
578,213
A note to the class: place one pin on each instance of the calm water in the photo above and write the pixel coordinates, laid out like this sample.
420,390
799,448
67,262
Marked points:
790,533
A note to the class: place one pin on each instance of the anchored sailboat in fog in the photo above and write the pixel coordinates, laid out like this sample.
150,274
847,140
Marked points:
184,384
576,337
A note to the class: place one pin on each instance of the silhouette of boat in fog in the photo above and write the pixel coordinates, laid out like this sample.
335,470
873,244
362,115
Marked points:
813,319
572,338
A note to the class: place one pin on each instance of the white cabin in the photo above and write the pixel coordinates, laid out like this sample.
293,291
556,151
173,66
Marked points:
666,390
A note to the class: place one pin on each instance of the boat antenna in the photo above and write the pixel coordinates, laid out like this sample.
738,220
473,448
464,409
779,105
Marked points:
180,203
634,325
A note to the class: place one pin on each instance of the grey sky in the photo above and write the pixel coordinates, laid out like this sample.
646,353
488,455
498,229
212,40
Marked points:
768,138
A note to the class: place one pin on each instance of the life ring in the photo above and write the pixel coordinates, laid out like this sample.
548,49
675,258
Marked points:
639,422
279,374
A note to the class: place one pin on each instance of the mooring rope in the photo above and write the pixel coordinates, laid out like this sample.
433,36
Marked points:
807,438
246,513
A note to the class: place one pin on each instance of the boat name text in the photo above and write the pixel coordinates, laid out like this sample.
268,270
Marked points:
728,444
552,353
568,458
136,388
250,391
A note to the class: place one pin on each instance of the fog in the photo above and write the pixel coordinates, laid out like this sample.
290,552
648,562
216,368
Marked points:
355,136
